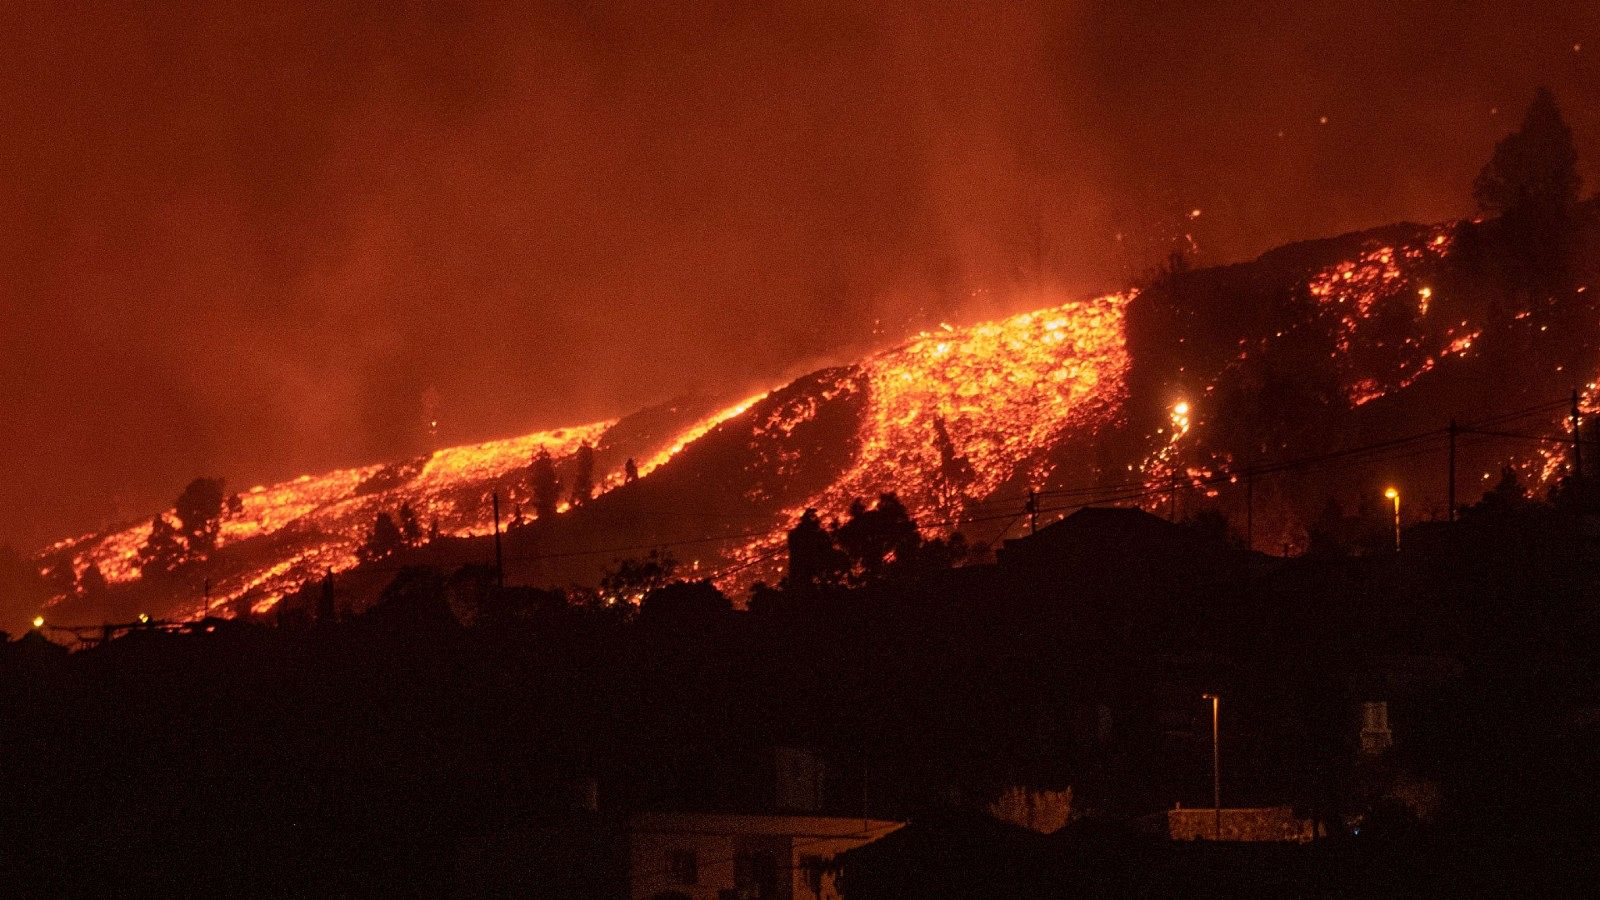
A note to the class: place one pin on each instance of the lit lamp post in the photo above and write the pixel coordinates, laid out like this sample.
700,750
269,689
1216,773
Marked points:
1216,769
1394,495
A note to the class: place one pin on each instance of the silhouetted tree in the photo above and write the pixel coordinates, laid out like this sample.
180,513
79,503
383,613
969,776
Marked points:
433,529
583,477
630,471
1328,534
60,573
1535,167
163,550
92,583
1212,523
1508,490
546,486
199,511
879,540
943,553
629,580
814,560
415,601
384,538
410,528
326,607
955,471
685,605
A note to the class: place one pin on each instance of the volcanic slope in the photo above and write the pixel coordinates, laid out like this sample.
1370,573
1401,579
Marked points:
1152,395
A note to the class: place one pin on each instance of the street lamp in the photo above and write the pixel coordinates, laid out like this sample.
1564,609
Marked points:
1216,769
1394,495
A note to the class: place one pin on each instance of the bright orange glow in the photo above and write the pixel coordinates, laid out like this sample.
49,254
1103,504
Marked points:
956,415
1004,391
697,431
318,522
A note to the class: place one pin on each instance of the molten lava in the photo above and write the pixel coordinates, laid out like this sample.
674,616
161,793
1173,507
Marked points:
952,419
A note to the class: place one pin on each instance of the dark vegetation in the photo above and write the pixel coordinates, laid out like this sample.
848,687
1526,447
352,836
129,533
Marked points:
1269,368
366,753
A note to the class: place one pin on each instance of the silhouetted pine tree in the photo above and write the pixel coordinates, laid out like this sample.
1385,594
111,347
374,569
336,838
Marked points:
583,478
630,471
410,528
199,511
384,539
879,540
955,471
814,560
1535,167
163,550
546,486
92,583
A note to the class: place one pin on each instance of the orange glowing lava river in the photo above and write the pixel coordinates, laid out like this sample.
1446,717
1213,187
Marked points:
950,419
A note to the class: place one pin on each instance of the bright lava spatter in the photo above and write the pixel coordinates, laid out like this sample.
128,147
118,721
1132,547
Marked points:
1357,291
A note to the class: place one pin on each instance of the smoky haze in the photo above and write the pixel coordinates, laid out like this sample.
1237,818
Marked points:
247,243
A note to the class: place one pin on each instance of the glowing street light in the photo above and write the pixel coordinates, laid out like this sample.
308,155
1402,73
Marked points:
1394,495
38,621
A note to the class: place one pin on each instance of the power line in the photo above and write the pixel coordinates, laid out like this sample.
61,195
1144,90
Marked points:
1129,491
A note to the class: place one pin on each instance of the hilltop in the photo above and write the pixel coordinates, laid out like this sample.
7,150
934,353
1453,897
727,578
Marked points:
1143,396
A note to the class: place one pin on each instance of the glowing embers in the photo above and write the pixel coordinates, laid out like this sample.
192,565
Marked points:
1373,294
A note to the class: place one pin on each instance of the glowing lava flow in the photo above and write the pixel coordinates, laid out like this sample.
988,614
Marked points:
1004,392
952,418
1378,282
315,523
697,431
955,414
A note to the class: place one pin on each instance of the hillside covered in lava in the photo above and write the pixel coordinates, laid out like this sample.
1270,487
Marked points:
1284,372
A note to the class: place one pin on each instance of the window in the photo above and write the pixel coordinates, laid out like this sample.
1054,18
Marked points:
685,868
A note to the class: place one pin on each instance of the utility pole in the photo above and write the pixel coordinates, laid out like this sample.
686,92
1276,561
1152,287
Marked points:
1216,768
1450,486
325,602
1577,447
499,558
1033,511
1250,509
1172,499
205,599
